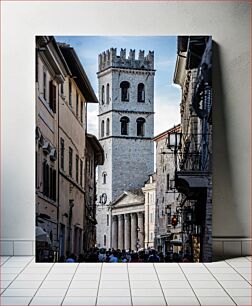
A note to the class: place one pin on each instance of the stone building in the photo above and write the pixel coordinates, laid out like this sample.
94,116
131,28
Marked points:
74,95
194,176
50,74
149,191
62,93
167,200
94,156
126,113
127,213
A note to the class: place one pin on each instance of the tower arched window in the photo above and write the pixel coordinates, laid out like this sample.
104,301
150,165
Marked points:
104,178
124,125
102,94
107,127
102,128
125,91
107,94
140,92
140,126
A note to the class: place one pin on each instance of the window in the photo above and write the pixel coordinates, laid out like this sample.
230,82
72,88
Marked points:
77,105
124,126
62,89
167,182
140,126
81,112
70,161
140,93
102,94
52,184
44,84
107,94
45,178
70,93
151,217
102,128
104,177
125,91
104,240
107,220
107,127
49,181
77,168
81,173
62,153
52,96
151,235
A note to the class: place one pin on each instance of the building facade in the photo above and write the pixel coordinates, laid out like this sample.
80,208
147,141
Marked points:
167,198
194,176
126,116
149,191
94,157
50,74
63,91
75,93
127,213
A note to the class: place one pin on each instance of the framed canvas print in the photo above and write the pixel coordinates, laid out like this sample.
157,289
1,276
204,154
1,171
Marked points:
123,149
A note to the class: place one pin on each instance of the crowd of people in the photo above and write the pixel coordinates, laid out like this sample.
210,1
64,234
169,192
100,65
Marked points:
124,256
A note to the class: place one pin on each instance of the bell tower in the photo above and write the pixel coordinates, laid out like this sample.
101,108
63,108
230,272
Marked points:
126,127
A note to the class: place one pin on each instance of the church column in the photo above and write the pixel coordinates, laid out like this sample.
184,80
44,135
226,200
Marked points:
127,231
133,231
141,229
120,231
115,232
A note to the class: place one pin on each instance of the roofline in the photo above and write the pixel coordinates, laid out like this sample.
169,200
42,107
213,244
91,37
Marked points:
83,78
97,148
165,133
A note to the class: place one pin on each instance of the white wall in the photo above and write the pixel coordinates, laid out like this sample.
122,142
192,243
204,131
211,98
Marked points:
227,22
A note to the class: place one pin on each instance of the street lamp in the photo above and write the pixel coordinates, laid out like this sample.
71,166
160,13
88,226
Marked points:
174,144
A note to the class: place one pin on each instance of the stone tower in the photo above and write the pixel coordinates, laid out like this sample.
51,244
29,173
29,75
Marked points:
126,124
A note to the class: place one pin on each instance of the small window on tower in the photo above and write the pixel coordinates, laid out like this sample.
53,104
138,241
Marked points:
124,126
104,177
107,127
107,94
140,93
102,94
125,91
140,126
102,128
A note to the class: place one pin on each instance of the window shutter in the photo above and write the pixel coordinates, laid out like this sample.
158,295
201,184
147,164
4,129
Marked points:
51,95
54,98
44,177
54,185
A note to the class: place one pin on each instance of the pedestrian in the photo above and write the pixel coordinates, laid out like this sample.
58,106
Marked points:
153,256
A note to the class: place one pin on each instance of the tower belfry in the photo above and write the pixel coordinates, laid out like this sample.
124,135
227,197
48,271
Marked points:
126,127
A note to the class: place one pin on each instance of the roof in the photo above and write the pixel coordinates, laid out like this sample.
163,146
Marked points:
136,195
98,150
78,72
163,135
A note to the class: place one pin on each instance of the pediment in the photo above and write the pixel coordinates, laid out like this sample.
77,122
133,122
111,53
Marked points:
129,198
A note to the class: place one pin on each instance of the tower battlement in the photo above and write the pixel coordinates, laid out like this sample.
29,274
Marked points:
110,58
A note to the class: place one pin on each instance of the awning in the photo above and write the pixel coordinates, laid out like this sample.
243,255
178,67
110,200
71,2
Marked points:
190,182
42,236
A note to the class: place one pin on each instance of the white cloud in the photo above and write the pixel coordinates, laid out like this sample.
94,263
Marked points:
92,119
167,114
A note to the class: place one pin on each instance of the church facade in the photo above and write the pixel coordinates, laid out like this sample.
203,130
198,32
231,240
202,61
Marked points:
126,124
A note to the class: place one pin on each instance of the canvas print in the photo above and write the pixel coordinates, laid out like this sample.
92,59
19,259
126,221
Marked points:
123,149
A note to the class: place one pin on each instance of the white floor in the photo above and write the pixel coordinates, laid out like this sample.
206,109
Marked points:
24,282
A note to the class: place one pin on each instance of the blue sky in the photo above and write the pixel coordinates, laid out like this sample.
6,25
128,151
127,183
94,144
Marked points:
166,95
